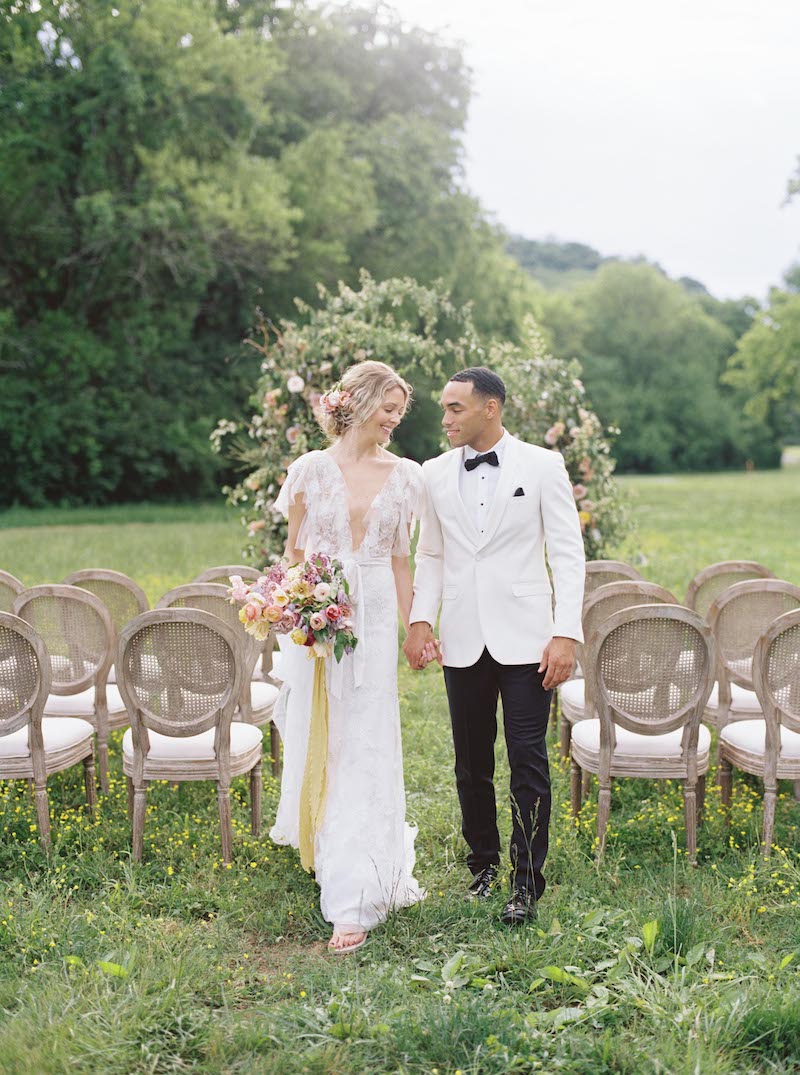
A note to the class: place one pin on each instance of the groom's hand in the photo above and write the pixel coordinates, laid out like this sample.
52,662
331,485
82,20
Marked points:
419,634
557,662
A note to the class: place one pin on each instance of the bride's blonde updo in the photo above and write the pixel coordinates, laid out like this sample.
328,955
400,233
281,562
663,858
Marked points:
354,400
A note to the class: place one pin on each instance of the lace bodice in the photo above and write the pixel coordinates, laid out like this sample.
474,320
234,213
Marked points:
318,478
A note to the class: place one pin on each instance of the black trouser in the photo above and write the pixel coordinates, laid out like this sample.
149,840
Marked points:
472,693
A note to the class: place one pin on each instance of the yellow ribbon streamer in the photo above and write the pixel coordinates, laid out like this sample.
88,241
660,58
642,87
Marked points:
312,795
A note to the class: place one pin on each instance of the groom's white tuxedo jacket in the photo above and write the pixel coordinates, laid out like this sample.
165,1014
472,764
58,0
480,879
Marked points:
493,588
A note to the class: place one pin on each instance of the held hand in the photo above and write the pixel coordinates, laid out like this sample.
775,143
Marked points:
419,635
432,651
557,662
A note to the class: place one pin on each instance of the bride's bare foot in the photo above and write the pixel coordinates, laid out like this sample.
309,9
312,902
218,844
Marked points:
345,939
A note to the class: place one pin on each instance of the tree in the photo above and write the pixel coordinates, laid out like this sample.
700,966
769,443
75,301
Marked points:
652,358
766,364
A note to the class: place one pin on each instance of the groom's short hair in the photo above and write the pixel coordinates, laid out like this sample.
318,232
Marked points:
484,382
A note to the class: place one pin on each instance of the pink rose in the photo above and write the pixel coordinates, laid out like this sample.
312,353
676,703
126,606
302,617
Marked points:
317,621
333,612
579,491
292,433
554,433
321,591
252,611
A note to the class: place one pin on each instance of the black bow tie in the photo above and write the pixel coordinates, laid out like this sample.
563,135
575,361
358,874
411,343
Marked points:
490,458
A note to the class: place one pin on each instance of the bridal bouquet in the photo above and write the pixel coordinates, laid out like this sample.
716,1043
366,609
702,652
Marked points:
310,602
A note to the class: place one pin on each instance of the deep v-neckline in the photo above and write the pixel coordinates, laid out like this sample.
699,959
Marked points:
366,520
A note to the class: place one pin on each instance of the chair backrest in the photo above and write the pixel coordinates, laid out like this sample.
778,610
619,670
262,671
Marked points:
77,630
123,597
222,575
709,583
10,588
602,603
599,572
179,675
213,597
654,671
739,616
24,675
776,676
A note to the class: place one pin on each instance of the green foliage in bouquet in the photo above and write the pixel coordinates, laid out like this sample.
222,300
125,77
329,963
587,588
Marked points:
546,404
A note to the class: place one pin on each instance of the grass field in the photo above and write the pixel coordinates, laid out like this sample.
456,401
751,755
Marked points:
642,965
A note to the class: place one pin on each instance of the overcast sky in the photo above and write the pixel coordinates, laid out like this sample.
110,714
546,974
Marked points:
667,129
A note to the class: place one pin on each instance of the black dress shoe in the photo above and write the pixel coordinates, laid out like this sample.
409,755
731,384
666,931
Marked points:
481,886
520,908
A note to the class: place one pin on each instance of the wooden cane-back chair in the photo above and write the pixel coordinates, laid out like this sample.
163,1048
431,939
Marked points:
222,576
10,589
653,667
79,635
737,618
769,748
600,572
33,747
709,583
257,700
577,695
123,598
181,673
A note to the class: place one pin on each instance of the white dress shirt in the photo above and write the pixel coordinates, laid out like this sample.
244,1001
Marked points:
477,487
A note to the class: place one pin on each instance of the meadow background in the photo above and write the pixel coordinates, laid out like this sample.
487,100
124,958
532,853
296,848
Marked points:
642,965
178,179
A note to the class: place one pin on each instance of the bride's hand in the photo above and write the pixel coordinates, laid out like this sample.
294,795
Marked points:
432,651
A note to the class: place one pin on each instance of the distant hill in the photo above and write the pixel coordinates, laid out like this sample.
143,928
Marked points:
557,265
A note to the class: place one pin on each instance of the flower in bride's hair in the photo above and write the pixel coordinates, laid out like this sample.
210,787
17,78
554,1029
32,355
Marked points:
295,383
317,621
321,591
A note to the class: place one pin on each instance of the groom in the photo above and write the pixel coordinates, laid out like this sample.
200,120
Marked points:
493,505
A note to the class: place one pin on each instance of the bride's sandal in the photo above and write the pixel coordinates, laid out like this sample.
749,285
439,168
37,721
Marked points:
343,932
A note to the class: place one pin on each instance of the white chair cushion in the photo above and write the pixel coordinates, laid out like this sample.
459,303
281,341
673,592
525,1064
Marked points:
742,700
263,695
586,734
749,736
60,733
76,705
571,692
195,747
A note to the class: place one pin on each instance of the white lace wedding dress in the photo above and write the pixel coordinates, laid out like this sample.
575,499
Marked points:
364,851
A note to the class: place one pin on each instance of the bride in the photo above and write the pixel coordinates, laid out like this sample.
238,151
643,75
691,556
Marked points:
356,502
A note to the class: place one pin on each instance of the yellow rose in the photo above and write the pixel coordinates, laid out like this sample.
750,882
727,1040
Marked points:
298,636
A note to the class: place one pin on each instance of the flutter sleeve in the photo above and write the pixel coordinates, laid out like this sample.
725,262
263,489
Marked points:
411,502
295,485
